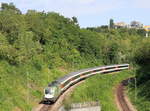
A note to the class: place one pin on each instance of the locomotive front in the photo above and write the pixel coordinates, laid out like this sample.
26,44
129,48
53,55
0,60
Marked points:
51,92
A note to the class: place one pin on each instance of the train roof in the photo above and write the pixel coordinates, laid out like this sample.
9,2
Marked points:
62,79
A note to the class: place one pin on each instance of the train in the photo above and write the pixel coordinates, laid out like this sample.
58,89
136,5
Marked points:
54,89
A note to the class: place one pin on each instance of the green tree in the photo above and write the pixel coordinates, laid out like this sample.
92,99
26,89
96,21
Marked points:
75,20
10,7
111,23
11,25
7,52
26,47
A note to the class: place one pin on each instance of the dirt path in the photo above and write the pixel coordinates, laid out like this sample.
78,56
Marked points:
59,102
122,101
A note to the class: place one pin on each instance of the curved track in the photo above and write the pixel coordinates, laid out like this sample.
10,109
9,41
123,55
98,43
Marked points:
83,74
122,100
45,108
59,102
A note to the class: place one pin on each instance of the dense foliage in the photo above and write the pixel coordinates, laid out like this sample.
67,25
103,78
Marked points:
140,57
38,47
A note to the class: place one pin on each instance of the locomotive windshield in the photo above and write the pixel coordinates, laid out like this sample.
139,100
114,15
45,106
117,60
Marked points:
50,90
47,91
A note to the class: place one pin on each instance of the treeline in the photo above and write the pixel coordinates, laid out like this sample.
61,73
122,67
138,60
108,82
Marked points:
24,36
35,41
138,53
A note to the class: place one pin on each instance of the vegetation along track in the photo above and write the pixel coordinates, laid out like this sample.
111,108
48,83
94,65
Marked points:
123,102
76,77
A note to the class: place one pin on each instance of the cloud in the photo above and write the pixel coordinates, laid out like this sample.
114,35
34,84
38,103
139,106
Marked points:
145,4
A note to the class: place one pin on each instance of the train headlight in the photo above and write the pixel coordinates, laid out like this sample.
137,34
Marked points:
48,96
49,92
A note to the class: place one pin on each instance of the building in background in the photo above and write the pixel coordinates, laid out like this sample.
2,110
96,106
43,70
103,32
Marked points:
111,24
133,24
136,24
147,27
120,25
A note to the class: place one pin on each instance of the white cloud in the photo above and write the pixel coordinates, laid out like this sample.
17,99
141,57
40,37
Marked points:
142,3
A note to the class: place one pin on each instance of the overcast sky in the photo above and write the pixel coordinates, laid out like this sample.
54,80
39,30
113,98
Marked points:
92,12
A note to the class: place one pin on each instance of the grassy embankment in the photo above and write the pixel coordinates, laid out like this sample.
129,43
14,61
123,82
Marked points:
21,87
37,48
101,88
140,103
18,92
139,94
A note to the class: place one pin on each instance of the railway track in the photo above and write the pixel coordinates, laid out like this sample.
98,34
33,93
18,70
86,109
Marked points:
55,106
46,108
123,102
70,81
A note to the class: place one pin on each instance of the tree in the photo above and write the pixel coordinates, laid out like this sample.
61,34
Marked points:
111,23
141,32
10,7
26,47
7,51
75,20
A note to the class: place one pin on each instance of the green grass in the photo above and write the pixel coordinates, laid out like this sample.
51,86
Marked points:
141,103
18,92
22,87
101,88
140,95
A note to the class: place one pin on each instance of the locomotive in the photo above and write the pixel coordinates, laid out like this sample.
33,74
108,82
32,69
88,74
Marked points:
57,87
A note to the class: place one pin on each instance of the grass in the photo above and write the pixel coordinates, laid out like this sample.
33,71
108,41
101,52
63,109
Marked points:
101,88
21,87
140,95
141,103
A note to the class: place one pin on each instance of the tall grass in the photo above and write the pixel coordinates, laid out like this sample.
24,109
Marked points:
101,88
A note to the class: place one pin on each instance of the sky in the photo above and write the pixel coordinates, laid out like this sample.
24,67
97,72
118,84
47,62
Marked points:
91,13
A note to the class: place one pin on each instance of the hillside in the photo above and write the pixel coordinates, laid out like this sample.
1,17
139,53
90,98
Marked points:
141,95
37,48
